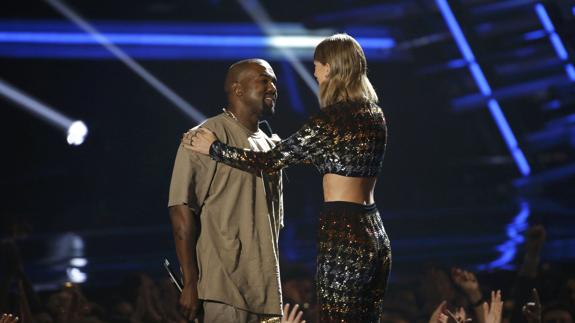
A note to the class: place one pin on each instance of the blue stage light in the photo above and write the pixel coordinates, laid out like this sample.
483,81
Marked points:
512,144
181,40
514,231
533,35
484,87
263,20
558,45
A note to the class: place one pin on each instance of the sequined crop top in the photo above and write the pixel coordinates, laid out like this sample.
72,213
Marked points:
347,138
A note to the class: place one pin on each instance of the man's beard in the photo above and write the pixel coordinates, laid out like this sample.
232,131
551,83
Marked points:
268,111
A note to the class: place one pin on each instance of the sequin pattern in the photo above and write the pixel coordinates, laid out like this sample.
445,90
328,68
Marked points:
353,264
348,138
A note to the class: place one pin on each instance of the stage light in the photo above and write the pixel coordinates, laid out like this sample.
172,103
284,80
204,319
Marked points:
154,39
261,17
293,41
76,276
78,262
484,88
76,130
514,233
76,133
178,101
534,35
560,49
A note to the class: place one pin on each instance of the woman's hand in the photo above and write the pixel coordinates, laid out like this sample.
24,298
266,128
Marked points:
199,140
492,312
292,317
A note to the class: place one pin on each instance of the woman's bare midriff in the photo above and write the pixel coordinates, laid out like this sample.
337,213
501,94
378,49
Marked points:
350,189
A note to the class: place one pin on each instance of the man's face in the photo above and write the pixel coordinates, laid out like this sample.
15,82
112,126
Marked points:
259,86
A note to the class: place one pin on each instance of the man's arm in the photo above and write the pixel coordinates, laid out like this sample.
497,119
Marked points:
186,228
189,187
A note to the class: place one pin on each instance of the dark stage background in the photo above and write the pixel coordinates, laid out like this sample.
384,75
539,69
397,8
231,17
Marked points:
450,191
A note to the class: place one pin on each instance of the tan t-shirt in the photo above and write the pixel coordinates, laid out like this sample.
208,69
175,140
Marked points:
241,214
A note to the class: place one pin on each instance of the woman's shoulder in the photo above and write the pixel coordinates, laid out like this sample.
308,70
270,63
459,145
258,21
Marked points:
342,108
351,104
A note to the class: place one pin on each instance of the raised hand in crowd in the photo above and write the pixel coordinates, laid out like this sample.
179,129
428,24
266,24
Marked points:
534,240
467,281
439,316
293,316
459,316
532,310
8,318
70,305
25,310
528,270
469,284
492,311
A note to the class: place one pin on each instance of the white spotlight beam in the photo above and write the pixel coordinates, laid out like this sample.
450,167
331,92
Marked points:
178,101
261,17
76,130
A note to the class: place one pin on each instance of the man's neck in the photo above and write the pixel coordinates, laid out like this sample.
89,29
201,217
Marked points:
250,121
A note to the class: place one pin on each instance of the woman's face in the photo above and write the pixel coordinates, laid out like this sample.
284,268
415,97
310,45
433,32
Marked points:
321,71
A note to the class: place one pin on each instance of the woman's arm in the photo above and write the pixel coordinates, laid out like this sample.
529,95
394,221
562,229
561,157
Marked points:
301,147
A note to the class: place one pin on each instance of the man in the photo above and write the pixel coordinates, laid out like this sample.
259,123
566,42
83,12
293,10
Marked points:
226,221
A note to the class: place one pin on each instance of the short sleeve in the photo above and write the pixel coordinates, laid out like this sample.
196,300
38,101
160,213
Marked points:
191,179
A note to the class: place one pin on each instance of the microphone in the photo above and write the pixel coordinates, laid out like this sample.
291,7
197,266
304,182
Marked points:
173,278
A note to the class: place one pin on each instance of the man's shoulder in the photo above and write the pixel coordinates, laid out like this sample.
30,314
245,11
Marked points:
219,120
217,123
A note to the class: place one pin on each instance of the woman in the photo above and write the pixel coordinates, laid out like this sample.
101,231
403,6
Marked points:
346,142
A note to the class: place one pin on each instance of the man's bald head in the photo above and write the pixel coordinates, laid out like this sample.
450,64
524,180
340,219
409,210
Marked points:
251,88
237,70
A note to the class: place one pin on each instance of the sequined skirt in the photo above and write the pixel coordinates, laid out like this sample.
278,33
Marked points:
353,264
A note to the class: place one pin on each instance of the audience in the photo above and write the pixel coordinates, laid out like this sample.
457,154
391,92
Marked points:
538,293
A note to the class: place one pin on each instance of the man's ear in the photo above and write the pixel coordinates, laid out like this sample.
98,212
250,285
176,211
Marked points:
237,89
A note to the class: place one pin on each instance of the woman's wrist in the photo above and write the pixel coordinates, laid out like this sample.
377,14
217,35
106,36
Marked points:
215,149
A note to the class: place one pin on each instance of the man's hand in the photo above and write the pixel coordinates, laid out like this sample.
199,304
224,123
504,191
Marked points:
189,305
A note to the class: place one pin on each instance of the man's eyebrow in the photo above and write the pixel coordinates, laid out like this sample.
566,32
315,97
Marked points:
269,75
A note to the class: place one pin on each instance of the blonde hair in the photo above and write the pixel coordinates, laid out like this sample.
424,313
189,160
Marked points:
347,79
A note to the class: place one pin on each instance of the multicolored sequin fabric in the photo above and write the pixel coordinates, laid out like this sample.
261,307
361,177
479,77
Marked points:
354,255
353,264
347,138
